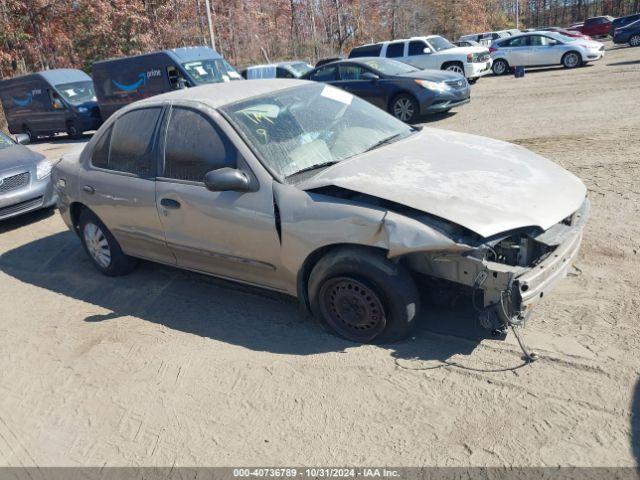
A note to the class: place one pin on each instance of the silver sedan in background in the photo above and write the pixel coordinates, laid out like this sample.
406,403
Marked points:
25,178
540,49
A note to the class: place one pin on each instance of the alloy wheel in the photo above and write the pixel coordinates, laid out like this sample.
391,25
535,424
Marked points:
352,309
635,41
403,109
456,69
571,60
499,68
97,245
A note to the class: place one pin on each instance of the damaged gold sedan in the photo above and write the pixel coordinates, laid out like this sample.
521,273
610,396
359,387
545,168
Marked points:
302,188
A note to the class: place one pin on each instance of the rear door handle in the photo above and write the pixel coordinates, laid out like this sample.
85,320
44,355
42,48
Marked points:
89,189
170,203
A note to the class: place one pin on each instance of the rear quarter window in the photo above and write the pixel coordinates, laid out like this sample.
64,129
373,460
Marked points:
366,51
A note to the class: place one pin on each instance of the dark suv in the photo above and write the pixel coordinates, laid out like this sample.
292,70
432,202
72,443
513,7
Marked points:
623,22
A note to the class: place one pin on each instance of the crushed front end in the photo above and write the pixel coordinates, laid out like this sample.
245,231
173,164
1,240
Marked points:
509,273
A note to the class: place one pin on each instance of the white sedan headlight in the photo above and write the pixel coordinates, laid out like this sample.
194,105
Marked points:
434,86
43,169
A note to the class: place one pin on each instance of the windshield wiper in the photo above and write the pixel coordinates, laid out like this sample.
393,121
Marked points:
314,167
384,141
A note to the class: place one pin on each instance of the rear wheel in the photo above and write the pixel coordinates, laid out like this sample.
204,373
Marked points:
571,60
404,107
73,131
500,67
363,297
102,247
635,41
27,130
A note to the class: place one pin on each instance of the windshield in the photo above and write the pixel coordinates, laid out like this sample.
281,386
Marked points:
5,141
305,127
439,43
211,71
76,93
299,69
389,67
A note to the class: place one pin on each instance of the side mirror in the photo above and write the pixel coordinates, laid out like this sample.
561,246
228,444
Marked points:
226,179
369,76
22,138
427,50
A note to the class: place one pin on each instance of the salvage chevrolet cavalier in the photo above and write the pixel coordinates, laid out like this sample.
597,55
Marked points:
305,189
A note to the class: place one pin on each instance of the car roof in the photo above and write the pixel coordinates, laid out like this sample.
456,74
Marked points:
181,55
57,76
422,37
216,95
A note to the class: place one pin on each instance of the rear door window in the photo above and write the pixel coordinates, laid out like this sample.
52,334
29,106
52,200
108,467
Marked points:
131,142
395,50
351,72
325,74
518,42
194,146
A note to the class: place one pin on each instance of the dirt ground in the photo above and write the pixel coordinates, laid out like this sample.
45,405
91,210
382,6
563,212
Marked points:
166,367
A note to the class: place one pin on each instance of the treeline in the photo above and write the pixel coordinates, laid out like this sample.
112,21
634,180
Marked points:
40,34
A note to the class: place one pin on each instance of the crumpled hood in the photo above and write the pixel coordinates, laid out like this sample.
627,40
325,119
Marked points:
485,185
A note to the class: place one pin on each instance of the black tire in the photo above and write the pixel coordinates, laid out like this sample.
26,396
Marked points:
118,263
634,41
32,136
500,67
405,108
472,81
73,132
571,60
362,296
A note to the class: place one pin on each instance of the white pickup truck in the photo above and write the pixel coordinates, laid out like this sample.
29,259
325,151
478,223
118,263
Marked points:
433,52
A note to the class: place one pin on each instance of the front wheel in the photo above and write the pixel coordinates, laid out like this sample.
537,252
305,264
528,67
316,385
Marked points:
405,108
500,67
363,297
73,131
102,247
635,41
455,68
571,60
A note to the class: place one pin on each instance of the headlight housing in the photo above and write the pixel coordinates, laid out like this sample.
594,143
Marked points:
43,169
433,86
83,110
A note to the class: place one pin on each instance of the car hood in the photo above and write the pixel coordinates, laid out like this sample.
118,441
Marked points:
487,186
433,75
462,50
18,156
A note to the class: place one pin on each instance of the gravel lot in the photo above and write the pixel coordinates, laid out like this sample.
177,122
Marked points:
166,367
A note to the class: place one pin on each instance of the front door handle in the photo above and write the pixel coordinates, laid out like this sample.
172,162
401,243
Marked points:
89,189
170,203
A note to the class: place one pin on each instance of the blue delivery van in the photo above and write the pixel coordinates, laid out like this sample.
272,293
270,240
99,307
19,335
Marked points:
49,102
121,81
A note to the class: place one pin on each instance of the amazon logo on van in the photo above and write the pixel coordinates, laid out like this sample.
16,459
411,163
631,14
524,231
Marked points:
141,82
26,101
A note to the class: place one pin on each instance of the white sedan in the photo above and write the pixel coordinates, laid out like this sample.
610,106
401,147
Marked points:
539,49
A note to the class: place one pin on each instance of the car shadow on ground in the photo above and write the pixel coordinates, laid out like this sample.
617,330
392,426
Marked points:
630,62
635,424
225,311
25,219
434,117
62,138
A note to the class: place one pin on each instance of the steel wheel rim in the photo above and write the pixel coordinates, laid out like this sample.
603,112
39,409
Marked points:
403,109
499,68
571,60
352,309
97,245
635,41
456,69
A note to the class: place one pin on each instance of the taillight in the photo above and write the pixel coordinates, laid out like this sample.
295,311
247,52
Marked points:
492,49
